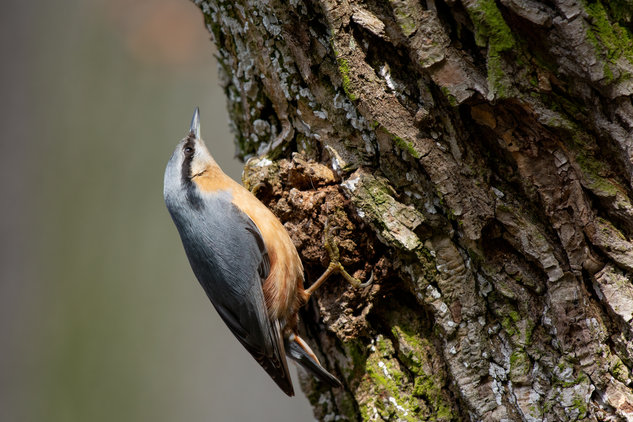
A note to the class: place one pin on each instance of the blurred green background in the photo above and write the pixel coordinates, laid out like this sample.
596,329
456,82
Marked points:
101,318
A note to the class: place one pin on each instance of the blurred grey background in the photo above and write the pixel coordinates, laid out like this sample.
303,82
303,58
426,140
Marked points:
101,318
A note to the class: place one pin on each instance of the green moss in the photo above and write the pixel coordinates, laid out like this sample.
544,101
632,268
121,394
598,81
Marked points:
621,10
451,98
625,77
513,358
529,332
491,30
575,389
534,81
358,353
592,170
503,207
403,144
580,379
619,370
384,346
490,26
343,67
608,75
507,325
405,21
514,315
517,326
581,406
405,378
381,194
376,198
615,40
609,229
520,366
417,353
406,146
547,407
347,407
387,379
496,76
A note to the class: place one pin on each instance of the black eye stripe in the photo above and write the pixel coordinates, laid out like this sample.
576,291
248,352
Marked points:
188,149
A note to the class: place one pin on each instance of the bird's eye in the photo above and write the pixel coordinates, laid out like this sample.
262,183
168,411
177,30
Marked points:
188,150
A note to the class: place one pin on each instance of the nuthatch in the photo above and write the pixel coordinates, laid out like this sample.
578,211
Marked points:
244,259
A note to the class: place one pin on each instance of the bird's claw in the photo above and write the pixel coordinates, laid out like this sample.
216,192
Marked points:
257,187
335,266
368,282
332,249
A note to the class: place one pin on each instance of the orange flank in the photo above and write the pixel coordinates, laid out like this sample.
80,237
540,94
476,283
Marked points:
283,289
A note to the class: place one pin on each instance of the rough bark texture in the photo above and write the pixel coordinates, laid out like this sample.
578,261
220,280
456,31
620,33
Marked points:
478,156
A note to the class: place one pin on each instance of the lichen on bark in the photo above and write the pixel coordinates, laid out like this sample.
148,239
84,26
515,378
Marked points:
477,156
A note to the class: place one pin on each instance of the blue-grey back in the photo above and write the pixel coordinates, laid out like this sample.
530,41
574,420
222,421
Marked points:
224,249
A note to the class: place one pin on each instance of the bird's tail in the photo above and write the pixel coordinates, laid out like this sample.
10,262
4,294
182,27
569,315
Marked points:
298,350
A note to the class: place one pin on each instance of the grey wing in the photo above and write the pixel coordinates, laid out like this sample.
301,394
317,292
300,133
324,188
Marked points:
230,260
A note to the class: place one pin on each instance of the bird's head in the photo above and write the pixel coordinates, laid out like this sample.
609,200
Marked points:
190,159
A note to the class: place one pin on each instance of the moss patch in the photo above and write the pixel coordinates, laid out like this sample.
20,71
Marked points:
418,354
451,98
621,10
618,369
615,39
405,378
491,30
593,170
343,67
406,146
520,367
490,27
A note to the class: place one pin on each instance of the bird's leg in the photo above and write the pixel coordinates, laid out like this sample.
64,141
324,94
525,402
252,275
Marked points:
335,266
246,178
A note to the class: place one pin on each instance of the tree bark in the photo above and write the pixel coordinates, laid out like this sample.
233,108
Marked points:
477,156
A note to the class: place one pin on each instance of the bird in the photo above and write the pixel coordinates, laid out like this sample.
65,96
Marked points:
245,260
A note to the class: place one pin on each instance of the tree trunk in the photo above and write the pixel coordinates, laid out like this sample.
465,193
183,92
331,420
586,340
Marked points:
478,157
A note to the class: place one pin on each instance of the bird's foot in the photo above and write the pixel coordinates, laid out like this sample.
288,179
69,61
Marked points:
248,181
335,266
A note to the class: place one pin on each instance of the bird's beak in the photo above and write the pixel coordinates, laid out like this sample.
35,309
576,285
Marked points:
195,123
